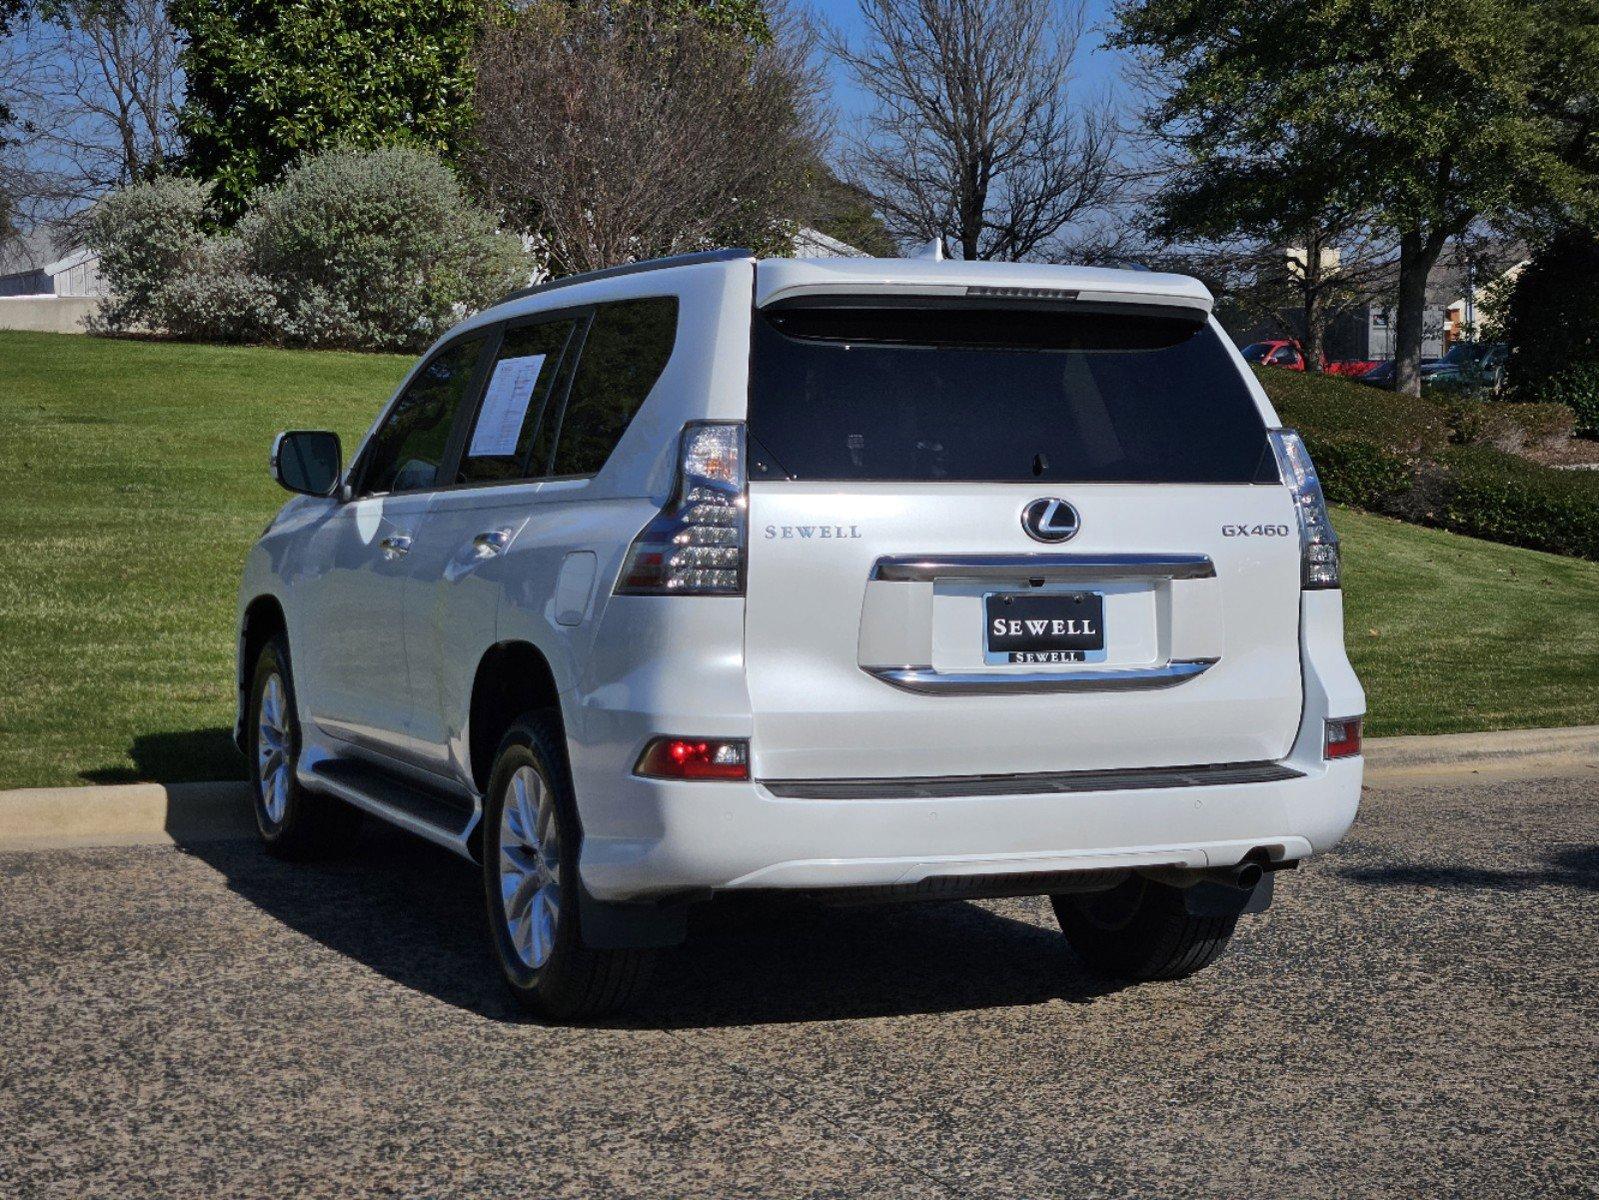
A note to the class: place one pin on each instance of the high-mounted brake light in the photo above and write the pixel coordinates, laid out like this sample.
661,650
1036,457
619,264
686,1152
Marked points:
1318,544
695,758
695,545
1343,738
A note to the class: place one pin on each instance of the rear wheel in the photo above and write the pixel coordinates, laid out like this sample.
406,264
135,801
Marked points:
293,822
1141,929
530,844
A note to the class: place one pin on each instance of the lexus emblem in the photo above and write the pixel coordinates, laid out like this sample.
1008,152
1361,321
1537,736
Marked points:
1050,519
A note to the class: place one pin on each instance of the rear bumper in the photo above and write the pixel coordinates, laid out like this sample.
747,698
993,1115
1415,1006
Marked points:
732,836
649,838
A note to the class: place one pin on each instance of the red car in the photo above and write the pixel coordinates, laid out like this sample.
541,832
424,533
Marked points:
1275,353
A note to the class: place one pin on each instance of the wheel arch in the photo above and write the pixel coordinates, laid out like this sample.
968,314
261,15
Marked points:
513,677
262,620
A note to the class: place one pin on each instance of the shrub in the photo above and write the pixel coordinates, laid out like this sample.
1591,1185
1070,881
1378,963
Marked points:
146,235
1576,387
1508,427
1368,445
218,298
1489,494
1360,471
1326,406
1390,454
377,249
370,250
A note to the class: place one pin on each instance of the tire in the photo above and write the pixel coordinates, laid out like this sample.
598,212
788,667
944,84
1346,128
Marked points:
1141,930
531,837
293,823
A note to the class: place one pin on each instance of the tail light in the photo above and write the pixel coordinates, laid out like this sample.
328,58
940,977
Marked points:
1318,544
1343,738
695,758
695,546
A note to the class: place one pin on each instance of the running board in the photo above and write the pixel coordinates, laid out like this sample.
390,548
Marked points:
444,820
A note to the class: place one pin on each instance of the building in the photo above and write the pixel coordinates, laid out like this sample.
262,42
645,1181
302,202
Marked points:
1460,281
44,286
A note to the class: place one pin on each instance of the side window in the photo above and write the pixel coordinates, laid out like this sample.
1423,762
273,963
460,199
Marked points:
626,350
519,388
409,448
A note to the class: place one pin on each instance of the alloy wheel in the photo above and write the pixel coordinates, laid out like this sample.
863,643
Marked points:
530,857
272,749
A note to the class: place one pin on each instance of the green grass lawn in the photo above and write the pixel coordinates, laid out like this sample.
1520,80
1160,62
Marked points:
133,477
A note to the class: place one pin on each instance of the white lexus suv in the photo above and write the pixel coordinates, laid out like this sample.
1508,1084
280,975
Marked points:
861,578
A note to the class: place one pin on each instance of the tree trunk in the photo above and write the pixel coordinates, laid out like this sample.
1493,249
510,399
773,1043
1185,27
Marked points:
1418,253
1315,330
1315,304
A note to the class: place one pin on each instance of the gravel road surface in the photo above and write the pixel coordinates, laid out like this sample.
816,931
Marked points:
1417,1015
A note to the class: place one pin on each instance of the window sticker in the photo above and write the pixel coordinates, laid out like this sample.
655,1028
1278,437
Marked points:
510,391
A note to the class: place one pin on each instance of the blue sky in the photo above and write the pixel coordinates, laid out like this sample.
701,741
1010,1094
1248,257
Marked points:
1097,67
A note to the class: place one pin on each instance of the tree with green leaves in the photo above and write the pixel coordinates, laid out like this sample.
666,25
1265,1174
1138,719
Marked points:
269,82
1434,115
1286,211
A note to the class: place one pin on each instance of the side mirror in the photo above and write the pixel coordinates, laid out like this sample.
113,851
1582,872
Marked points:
307,460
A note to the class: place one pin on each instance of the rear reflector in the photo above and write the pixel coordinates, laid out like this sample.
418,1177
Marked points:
1343,738
695,758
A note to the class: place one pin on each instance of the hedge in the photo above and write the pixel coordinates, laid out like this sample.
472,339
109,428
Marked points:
1393,454
1361,472
1490,494
1332,407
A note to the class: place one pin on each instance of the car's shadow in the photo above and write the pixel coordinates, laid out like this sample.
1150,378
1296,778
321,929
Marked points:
413,912
176,756
1575,866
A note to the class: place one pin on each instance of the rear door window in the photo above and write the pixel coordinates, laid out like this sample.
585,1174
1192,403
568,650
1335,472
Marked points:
625,351
918,393
521,381
407,451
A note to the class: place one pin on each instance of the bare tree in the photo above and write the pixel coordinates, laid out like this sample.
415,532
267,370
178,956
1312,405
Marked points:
973,132
615,133
99,106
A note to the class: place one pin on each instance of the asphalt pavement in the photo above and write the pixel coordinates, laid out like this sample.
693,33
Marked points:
1417,1015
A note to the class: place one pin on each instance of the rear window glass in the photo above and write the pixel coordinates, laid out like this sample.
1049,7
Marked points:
1001,395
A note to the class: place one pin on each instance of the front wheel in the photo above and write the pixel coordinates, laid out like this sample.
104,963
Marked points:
1141,930
293,823
530,881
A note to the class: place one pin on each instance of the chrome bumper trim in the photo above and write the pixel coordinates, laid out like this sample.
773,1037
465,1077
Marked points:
930,682
1059,568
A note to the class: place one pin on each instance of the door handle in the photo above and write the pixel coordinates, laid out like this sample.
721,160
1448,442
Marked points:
395,545
491,542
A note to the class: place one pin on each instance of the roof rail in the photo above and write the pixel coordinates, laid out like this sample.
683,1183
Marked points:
634,268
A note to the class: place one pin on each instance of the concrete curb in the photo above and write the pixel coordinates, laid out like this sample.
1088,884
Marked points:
123,815
1439,749
153,813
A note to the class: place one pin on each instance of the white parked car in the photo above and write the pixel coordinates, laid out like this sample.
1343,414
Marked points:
869,579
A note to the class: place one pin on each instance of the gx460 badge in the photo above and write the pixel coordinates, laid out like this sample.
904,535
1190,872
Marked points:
1255,531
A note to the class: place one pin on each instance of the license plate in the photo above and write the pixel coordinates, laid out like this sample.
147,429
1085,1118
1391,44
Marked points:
1047,627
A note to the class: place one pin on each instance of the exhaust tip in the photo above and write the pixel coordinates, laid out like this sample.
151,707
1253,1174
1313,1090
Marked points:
1247,875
